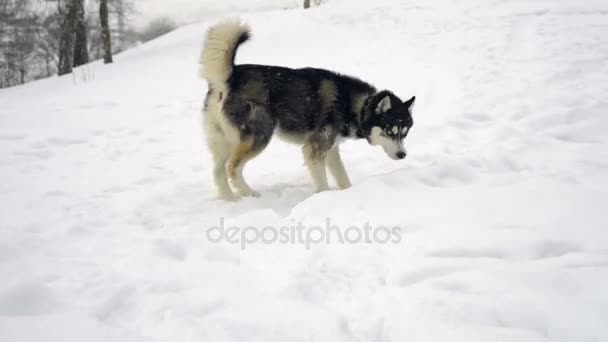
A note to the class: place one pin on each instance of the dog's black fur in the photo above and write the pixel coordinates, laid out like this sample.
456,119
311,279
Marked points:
295,101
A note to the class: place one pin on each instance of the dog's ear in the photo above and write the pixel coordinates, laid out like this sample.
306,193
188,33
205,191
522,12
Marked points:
410,103
384,105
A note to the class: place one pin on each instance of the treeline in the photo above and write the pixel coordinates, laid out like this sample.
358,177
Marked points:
42,38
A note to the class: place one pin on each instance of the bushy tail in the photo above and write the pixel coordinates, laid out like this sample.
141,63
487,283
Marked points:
219,50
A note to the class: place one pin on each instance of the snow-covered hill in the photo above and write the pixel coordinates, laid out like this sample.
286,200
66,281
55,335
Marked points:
187,11
106,193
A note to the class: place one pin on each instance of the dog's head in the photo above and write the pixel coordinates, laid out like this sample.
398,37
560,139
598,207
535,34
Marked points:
389,120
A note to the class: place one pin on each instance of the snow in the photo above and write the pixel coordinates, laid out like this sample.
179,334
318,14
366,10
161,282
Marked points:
107,194
187,11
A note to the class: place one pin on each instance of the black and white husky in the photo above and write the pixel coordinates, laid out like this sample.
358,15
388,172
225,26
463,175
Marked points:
316,108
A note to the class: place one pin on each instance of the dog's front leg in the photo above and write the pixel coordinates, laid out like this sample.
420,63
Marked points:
336,167
315,161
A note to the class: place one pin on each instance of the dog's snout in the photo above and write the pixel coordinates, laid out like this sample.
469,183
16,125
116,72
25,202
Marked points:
400,155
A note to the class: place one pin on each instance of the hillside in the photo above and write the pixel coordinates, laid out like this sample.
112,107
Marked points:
107,196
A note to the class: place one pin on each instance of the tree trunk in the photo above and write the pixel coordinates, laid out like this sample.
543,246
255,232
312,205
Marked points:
81,52
48,59
66,41
119,6
106,38
306,3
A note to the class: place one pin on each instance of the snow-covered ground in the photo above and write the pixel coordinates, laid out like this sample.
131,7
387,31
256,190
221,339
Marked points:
187,11
106,193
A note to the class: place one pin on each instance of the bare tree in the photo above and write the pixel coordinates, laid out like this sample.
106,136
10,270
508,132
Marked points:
81,48
122,35
48,42
19,28
40,38
68,10
106,38
119,7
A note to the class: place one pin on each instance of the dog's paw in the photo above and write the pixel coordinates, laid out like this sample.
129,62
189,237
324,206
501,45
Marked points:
343,186
249,193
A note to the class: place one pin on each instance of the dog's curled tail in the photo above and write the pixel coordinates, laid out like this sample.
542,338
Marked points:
219,50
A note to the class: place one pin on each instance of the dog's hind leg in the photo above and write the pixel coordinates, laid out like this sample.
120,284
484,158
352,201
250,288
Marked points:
241,154
246,150
336,167
315,161
255,129
219,144
220,150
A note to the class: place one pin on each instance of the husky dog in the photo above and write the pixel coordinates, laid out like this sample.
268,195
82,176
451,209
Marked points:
316,108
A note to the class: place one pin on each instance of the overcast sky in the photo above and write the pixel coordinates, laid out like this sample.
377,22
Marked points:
186,11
